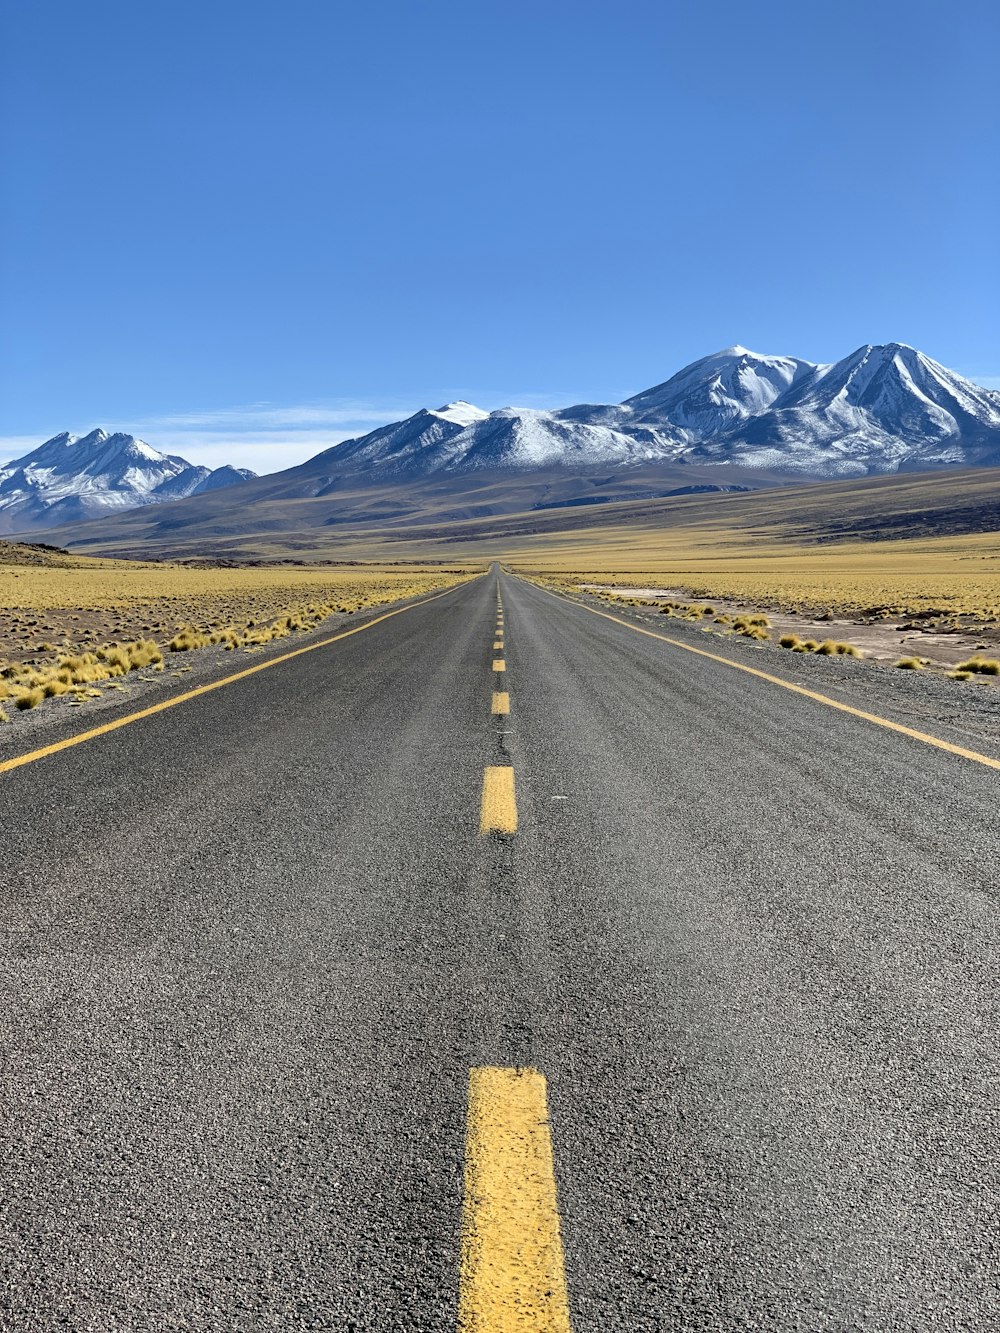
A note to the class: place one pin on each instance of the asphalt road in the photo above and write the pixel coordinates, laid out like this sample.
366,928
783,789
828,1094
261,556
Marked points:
253,945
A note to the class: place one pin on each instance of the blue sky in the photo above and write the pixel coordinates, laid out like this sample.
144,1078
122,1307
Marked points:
245,230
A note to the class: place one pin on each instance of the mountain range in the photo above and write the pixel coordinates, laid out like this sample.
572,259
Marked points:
73,478
730,421
881,409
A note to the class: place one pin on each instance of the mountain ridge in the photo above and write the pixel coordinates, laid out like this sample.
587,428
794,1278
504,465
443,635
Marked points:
881,408
71,478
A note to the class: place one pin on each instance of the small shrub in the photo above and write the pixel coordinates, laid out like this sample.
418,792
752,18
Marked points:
833,648
789,641
752,627
959,675
186,640
144,653
982,666
910,664
116,659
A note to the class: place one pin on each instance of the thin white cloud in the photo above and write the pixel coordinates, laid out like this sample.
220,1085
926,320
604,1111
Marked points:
261,436
13,446
265,437
261,451
266,416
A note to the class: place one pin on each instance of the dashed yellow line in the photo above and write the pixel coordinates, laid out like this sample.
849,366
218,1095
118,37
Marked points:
498,809
70,741
513,1275
501,703
497,645
924,737
499,664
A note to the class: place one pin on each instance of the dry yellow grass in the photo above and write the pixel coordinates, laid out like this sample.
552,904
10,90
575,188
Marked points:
979,665
104,619
952,576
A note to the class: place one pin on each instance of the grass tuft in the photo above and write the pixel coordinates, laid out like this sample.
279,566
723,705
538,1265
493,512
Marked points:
28,698
980,666
834,648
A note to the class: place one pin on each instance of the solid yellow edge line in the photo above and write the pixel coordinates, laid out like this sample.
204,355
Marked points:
56,746
501,703
498,808
512,1275
877,721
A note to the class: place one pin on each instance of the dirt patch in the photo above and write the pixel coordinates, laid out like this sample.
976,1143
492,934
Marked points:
879,637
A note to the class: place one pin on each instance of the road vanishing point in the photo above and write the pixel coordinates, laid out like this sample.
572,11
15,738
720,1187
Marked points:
499,965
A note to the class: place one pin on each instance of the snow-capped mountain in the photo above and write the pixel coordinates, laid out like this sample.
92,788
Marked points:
460,437
421,442
71,477
719,392
881,409
731,419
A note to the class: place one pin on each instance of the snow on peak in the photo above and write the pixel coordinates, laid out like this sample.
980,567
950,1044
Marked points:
70,477
459,412
711,394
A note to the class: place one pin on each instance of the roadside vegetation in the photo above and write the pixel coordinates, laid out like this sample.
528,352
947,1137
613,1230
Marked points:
878,628
72,627
939,582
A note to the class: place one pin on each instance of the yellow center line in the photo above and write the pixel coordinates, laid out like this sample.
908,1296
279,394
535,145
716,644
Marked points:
33,755
498,809
498,645
501,703
512,1277
499,664
922,736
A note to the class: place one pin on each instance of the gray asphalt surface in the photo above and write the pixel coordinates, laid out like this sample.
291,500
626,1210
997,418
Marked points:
252,945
